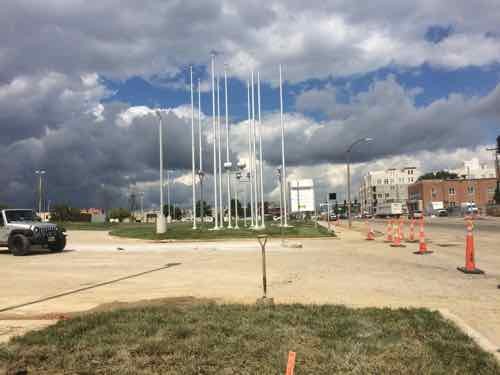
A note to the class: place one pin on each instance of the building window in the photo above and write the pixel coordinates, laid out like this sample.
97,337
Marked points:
380,195
386,181
433,192
379,182
387,195
451,191
451,204
470,189
491,190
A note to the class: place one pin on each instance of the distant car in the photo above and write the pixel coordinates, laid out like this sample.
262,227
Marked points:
333,216
415,215
442,213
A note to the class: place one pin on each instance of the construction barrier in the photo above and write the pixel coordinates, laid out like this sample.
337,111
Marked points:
370,236
411,237
422,246
398,236
470,264
390,224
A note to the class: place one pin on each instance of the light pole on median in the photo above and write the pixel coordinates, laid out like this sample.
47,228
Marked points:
161,226
348,159
40,173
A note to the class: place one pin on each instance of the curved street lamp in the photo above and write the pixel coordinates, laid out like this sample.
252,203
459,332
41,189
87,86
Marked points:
348,159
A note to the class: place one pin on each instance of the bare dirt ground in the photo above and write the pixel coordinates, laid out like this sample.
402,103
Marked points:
347,270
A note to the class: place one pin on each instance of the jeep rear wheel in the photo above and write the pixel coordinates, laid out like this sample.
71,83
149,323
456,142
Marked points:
19,245
59,245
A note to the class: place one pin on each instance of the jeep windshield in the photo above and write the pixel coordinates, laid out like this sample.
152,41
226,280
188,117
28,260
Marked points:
20,215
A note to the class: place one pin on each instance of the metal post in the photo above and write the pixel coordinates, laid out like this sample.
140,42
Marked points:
262,241
227,150
193,162
254,158
221,207
349,188
237,213
263,224
250,173
161,226
214,123
283,168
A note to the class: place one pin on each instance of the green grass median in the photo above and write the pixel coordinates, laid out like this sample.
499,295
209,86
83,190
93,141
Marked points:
184,231
205,338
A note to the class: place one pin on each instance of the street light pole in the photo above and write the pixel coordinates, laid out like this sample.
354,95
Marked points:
348,160
250,153
40,173
161,226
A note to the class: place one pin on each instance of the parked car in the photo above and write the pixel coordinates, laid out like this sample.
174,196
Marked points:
415,215
442,213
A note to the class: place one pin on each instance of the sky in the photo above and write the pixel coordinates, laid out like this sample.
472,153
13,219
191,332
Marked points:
80,82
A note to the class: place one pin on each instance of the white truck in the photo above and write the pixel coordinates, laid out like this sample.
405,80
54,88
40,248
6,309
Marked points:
21,229
389,209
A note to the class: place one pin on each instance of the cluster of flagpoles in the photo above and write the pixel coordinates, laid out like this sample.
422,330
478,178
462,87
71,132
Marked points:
255,153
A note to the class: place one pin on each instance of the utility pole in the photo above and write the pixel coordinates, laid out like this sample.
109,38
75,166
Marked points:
254,159
221,207
200,171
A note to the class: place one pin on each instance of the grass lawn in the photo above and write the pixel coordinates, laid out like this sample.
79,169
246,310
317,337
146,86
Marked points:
204,338
181,231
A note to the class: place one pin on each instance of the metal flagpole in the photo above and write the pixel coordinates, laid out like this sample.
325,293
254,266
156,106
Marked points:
214,123
221,208
254,160
192,150
283,169
263,224
228,163
250,154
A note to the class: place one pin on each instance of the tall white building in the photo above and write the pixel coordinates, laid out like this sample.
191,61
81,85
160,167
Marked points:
386,186
473,169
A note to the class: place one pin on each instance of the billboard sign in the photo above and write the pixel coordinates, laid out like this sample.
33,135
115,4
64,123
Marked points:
302,196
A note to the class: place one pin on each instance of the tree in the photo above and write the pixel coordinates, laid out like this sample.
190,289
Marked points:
439,175
63,212
235,203
206,209
3,206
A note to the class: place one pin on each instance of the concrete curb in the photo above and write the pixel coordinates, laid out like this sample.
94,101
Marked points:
479,338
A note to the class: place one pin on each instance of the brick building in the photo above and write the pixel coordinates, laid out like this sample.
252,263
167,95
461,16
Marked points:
451,193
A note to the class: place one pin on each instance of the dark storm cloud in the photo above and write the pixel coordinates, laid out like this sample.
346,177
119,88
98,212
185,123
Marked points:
87,159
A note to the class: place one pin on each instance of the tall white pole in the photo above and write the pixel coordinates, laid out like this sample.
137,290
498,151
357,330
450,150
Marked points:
283,169
214,123
228,172
193,162
263,224
199,126
221,208
161,226
250,170
254,159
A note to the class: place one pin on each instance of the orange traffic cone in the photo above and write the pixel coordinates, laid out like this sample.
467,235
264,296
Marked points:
411,237
398,236
422,246
470,265
390,224
370,235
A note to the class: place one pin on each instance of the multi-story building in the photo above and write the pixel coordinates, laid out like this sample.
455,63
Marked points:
473,169
386,186
450,194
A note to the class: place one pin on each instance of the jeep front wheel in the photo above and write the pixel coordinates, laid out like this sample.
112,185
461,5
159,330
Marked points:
19,245
59,245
